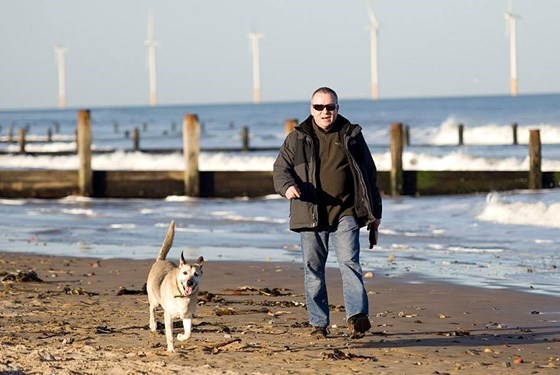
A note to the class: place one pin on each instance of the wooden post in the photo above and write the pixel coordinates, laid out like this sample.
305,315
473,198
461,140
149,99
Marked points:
406,135
245,138
49,135
191,149
136,139
289,125
397,175
461,128
21,140
514,131
11,134
535,173
85,173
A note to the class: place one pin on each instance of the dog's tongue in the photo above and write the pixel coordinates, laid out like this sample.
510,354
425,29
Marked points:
188,290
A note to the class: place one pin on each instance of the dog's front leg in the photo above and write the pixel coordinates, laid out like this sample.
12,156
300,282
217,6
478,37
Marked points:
187,323
169,332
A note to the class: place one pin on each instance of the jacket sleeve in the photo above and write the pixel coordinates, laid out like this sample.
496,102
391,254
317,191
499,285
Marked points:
370,175
283,172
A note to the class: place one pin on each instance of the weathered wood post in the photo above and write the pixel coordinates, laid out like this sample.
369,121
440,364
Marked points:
21,140
245,138
49,135
85,173
191,149
535,173
11,134
289,125
514,132
136,139
397,174
406,135
461,129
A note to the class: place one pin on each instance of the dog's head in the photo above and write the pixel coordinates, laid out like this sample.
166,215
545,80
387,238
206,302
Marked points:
189,276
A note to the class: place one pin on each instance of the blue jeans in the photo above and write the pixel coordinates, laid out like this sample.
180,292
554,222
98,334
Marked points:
345,240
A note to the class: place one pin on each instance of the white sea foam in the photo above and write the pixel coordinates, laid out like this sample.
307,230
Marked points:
498,209
455,160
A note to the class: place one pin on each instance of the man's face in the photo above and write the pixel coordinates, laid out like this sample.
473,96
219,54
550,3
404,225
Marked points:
324,109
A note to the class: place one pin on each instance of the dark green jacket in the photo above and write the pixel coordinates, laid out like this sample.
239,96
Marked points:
296,165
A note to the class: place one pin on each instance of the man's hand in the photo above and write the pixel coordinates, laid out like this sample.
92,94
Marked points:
373,232
293,192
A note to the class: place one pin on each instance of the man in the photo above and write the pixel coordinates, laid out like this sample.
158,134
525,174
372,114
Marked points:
326,170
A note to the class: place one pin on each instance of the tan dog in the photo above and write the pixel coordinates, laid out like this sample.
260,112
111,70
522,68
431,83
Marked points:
173,288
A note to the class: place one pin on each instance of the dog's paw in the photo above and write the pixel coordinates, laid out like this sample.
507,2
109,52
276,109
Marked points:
183,336
170,349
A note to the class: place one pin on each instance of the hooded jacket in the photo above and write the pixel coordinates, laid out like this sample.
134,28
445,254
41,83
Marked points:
296,164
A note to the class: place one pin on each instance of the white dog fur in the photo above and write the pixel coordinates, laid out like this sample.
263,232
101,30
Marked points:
173,288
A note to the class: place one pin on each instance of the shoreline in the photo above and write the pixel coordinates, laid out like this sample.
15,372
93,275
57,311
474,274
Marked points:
88,315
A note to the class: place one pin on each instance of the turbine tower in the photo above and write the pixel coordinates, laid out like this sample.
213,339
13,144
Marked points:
254,38
373,30
60,63
511,29
151,44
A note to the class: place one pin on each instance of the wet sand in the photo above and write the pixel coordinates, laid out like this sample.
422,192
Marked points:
91,316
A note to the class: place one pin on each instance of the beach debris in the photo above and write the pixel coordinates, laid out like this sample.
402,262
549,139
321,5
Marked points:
337,355
46,356
443,316
215,348
274,292
457,332
369,275
221,311
402,314
517,360
78,291
104,330
19,276
124,291
207,297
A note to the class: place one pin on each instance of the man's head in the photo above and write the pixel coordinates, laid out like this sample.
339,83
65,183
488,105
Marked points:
324,107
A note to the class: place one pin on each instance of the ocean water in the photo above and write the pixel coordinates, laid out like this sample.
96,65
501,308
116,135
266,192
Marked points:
495,240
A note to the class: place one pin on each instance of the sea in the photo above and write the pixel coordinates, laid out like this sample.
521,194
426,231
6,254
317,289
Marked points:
504,240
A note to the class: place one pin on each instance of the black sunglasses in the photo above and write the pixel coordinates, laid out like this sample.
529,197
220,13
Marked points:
320,107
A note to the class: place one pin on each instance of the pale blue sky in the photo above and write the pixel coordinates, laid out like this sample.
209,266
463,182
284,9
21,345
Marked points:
426,48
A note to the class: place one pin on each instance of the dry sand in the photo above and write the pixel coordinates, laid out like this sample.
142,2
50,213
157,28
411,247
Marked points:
89,316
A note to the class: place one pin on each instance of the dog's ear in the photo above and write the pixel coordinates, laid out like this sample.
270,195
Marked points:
182,259
200,261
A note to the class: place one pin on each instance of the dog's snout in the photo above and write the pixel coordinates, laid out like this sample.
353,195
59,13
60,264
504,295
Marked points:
189,282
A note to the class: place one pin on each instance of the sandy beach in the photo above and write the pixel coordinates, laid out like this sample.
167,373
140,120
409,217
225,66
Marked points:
62,315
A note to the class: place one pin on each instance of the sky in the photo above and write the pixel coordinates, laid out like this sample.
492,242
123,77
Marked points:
428,48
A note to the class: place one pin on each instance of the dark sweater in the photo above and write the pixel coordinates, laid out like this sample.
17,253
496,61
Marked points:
335,188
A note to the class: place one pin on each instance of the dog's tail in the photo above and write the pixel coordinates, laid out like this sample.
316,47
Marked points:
168,242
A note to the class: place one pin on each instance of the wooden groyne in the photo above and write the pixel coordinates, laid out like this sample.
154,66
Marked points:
192,182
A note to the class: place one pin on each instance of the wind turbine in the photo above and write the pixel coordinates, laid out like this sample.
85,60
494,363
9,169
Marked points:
254,38
373,31
60,63
511,30
151,44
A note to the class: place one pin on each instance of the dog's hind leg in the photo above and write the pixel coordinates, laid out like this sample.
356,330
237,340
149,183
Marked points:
169,332
153,324
187,324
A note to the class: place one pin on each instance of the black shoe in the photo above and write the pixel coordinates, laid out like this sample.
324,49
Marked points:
358,324
319,332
